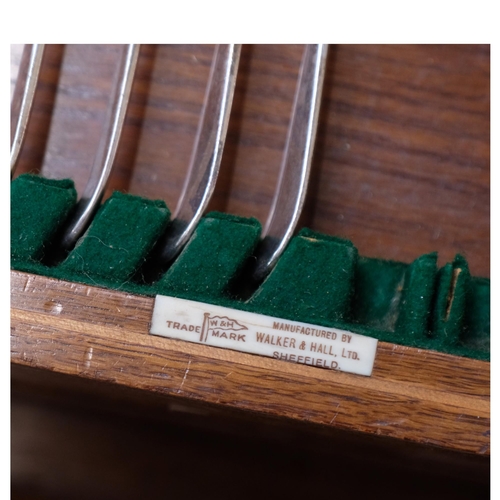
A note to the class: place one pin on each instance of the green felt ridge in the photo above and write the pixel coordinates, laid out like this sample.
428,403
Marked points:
120,236
476,331
378,290
216,252
452,292
319,279
38,208
312,280
417,294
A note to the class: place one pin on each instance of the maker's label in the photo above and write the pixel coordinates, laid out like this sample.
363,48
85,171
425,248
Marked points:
259,334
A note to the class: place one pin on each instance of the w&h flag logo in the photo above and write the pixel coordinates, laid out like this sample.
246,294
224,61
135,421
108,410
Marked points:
219,325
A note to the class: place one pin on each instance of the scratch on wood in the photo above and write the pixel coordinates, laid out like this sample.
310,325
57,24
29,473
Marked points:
185,376
88,357
335,416
385,423
27,284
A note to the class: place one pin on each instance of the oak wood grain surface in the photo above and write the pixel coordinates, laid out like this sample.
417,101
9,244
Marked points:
95,333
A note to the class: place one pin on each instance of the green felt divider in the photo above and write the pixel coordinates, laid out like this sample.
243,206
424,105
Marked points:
452,291
378,290
38,207
120,236
417,294
312,280
443,284
319,279
476,331
215,254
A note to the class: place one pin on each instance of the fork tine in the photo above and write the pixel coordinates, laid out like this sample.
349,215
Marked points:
207,152
106,151
296,163
22,101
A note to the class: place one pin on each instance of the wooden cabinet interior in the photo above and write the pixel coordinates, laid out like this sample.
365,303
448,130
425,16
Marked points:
401,168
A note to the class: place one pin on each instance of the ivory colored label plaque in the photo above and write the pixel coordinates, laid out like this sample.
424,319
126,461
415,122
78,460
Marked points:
259,334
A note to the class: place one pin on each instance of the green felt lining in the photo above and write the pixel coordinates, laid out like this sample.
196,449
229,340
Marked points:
38,208
476,330
452,292
418,290
313,280
319,279
378,290
216,253
120,236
